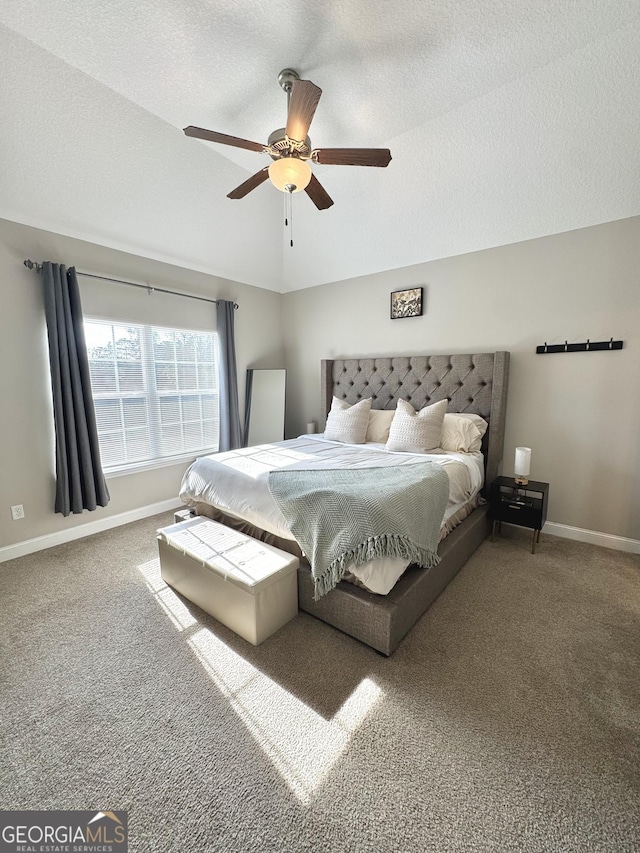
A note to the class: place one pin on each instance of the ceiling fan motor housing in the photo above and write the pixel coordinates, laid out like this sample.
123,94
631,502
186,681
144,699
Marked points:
283,146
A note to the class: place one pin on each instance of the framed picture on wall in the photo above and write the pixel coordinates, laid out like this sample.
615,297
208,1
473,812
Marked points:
406,303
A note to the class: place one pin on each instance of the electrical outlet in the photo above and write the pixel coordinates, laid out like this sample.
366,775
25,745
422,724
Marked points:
17,512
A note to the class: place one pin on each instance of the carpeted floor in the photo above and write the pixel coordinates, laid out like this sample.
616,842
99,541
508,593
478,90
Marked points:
507,720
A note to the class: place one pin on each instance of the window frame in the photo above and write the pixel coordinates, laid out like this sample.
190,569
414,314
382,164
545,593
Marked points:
152,396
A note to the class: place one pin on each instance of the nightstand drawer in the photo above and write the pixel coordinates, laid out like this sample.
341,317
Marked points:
514,513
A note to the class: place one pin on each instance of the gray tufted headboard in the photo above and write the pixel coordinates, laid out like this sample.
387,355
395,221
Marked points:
475,383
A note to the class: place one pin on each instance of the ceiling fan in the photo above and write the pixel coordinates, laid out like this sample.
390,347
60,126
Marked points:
290,148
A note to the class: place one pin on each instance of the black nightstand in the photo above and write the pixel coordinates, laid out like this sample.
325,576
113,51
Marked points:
525,506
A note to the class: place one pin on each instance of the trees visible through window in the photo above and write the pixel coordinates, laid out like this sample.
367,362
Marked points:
155,391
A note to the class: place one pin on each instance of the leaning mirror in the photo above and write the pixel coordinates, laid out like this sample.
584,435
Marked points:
264,406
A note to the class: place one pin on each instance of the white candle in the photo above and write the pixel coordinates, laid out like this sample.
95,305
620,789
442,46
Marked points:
311,427
522,464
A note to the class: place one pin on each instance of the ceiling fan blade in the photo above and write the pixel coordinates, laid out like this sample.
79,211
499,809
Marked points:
352,156
250,184
317,193
302,106
225,139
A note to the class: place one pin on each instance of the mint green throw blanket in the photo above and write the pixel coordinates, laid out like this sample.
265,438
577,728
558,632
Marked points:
354,515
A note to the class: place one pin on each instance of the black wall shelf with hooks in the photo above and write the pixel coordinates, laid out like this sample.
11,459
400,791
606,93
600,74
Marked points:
587,346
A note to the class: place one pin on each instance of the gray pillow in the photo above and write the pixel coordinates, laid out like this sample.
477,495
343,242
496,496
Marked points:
416,432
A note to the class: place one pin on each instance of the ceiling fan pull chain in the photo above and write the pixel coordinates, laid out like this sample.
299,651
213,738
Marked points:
288,219
291,219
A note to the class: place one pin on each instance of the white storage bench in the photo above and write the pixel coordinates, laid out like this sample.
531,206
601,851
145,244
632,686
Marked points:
247,585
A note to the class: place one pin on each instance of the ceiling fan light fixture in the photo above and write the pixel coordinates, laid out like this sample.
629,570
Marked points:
290,174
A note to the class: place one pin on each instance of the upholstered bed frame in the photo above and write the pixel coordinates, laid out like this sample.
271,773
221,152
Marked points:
475,383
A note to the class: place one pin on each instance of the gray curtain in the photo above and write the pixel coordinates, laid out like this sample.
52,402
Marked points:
80,482
230,429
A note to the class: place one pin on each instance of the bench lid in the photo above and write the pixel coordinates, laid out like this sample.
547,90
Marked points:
235,556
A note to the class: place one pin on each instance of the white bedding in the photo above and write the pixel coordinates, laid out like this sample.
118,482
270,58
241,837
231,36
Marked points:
236,482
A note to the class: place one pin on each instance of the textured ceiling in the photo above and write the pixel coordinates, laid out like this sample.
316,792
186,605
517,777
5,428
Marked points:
506,121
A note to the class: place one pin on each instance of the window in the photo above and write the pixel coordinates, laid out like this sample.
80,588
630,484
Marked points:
155,392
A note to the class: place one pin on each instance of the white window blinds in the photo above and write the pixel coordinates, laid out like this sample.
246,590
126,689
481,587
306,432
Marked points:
155,392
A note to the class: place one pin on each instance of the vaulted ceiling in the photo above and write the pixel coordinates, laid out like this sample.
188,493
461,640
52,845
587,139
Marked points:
506,121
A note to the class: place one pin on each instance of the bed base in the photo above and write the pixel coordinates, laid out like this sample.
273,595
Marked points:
382,621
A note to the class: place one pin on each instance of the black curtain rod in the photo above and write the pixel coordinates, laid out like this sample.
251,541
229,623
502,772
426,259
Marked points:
32,265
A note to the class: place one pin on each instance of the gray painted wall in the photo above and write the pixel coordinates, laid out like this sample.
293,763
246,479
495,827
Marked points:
27,463
580,413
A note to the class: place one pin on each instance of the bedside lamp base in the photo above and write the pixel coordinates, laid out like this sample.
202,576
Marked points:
521,481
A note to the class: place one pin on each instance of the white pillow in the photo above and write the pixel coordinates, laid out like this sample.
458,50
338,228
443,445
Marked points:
348,423
379,423
416,432
463,432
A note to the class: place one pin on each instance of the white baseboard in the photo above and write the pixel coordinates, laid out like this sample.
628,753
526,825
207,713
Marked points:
604,540
30,546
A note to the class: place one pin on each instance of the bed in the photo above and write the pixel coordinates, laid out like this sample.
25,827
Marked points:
473,384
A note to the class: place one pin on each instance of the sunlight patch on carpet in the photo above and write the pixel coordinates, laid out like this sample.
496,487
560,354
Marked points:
302,744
